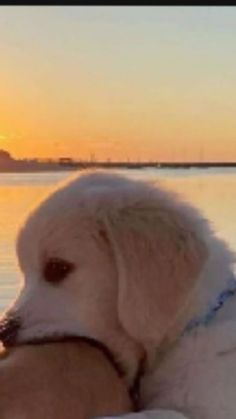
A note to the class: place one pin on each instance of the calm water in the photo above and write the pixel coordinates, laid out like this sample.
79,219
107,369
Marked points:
211,190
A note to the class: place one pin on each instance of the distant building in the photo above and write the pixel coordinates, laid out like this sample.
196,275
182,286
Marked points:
65,160
5,156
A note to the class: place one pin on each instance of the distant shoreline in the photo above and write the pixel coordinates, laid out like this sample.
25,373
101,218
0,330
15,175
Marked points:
9,164
34,166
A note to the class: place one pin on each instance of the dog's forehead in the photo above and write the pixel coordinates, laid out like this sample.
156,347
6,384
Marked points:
73,212
84,199
56,234
55,230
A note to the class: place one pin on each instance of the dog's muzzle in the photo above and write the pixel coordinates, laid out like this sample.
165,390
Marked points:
9,328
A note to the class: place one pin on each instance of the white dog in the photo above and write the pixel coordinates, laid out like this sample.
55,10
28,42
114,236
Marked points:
130,264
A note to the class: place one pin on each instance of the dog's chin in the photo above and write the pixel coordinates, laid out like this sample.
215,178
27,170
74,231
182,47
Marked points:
13,342
53,338
40,333
37,336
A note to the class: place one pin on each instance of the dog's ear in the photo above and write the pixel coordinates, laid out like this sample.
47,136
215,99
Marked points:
159,258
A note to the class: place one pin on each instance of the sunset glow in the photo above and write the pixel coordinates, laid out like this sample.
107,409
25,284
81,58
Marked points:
138,83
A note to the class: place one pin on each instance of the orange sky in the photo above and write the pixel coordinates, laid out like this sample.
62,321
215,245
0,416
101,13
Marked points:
150,83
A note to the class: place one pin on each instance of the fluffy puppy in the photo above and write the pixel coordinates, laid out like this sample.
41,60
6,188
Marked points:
60,380
122,261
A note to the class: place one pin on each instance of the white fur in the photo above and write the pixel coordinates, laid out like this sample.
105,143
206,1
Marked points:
145,263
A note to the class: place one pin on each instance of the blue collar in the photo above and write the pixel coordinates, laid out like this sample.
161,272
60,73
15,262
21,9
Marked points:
213,306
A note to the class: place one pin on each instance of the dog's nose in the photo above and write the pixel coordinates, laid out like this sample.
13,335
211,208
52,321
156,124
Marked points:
9,327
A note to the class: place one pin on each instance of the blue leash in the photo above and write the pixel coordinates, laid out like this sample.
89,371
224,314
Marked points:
214,306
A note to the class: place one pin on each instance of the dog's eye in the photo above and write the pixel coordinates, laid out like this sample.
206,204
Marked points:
55,270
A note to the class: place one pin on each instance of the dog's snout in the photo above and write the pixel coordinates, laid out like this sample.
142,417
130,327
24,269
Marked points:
9,327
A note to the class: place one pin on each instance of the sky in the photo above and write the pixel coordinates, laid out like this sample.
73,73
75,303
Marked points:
118,82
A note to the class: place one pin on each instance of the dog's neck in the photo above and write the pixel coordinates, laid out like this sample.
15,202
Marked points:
215,285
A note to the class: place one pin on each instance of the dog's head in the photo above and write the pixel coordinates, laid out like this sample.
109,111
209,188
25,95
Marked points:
109,258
